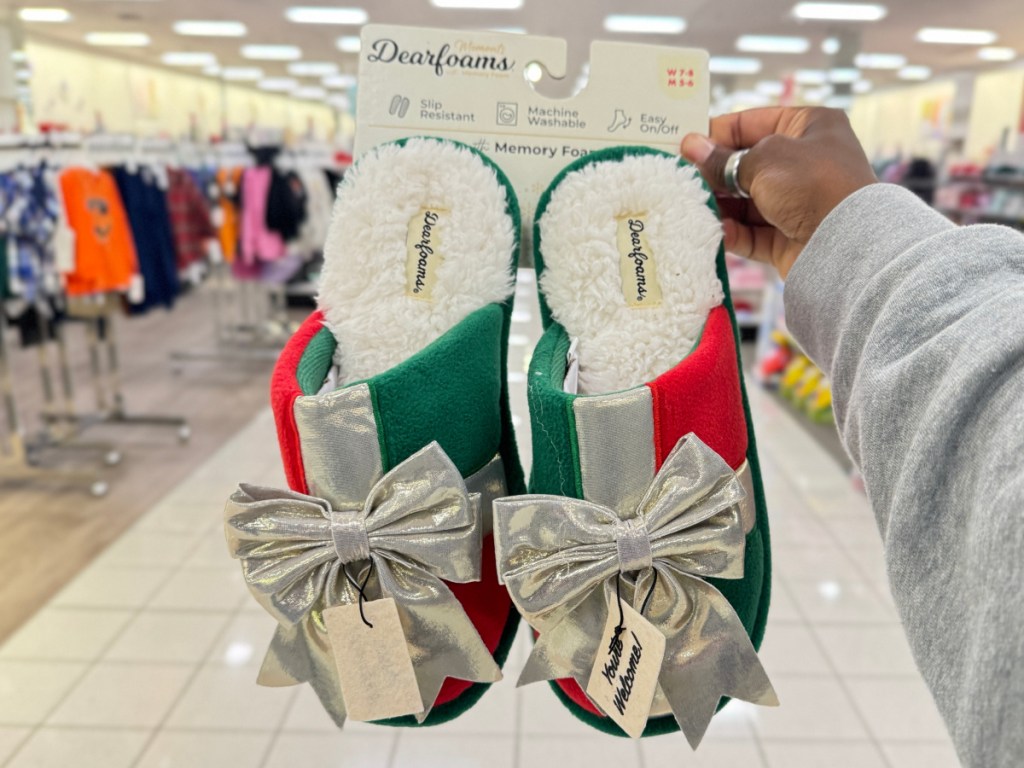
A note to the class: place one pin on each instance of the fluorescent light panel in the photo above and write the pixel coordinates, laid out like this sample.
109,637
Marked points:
45,15
880,60
956,36
349,44
272,52
310,92
770,88
316,14
830,45
734,65
843,75
811,76
840,11
772,44
339,81
188,59
201,28
483,5
312,68
242,73
997,54
279,84
914,72
118,39
863,86
655,25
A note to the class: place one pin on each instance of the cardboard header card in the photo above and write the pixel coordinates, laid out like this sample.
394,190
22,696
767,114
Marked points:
475,87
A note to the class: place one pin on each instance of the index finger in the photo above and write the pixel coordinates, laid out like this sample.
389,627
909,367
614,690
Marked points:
742,130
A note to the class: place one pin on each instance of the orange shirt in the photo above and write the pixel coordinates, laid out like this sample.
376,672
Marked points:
105,258
228,180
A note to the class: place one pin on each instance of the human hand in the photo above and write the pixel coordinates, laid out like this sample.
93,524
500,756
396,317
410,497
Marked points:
803,162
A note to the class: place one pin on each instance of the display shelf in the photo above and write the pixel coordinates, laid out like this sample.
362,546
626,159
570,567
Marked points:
982,215
1013,182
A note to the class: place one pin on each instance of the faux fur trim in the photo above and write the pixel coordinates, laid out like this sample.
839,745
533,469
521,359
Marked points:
363,288
621,346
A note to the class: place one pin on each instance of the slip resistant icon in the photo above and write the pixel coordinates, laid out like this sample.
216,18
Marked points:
399,105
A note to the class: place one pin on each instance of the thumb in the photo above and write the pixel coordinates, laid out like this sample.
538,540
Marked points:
709,158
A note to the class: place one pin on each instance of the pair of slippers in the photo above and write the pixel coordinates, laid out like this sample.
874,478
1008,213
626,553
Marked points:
408,354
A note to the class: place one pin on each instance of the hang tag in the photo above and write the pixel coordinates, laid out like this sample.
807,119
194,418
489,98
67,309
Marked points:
625,674
374,666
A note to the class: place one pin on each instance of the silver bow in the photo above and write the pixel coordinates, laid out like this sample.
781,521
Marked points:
561,558
418,526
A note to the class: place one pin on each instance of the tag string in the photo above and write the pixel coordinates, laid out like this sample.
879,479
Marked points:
362,591
618,598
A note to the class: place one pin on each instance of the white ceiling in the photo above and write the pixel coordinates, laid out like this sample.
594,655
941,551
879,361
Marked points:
711,24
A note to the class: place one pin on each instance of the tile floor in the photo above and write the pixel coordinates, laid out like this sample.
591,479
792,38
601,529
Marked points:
149,657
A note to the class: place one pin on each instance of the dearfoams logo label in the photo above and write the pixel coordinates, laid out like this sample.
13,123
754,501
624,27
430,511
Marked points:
640,286
423,247
462,55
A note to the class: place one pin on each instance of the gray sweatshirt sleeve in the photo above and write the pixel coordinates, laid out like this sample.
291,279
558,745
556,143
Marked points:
920,326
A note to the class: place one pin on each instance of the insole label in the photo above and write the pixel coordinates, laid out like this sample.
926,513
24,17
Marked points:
640,286
424,252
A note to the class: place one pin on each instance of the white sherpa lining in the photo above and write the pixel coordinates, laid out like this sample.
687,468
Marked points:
363,285
620,346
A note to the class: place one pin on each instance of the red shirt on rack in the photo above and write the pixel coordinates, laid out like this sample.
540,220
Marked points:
190,218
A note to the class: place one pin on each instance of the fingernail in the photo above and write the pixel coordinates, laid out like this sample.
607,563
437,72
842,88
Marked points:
697,148
728,233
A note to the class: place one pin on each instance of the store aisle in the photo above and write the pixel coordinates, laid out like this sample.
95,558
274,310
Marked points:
149,657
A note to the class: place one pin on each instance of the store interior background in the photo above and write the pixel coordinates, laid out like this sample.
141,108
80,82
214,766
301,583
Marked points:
126,635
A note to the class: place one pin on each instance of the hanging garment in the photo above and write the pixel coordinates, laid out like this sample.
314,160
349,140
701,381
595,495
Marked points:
105,259
286,204
190,218
319,202
258,242
228,182
146,206
29,215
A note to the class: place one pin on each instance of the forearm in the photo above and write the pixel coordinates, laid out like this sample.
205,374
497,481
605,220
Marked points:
920,326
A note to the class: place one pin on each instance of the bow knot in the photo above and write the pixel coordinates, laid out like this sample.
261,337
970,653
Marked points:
633,545
419,527
562,558
351,539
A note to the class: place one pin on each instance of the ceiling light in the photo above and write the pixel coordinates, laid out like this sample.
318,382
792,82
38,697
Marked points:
657,25
19,57
817,95
23,74
349,44
210,28
272,52
770,88
339,81
310,92
843,75
279,84
772,44
839,102
997,54
188,59
748,99
214,70
45,15
956,36
486,5
880,60
242,73
862,86
811,76
312,68
314,14
340,102
118,39
840,11
915,73
830,46
734,65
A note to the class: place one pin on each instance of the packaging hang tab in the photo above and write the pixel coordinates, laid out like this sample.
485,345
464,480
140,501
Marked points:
374,666
625,673
473,87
